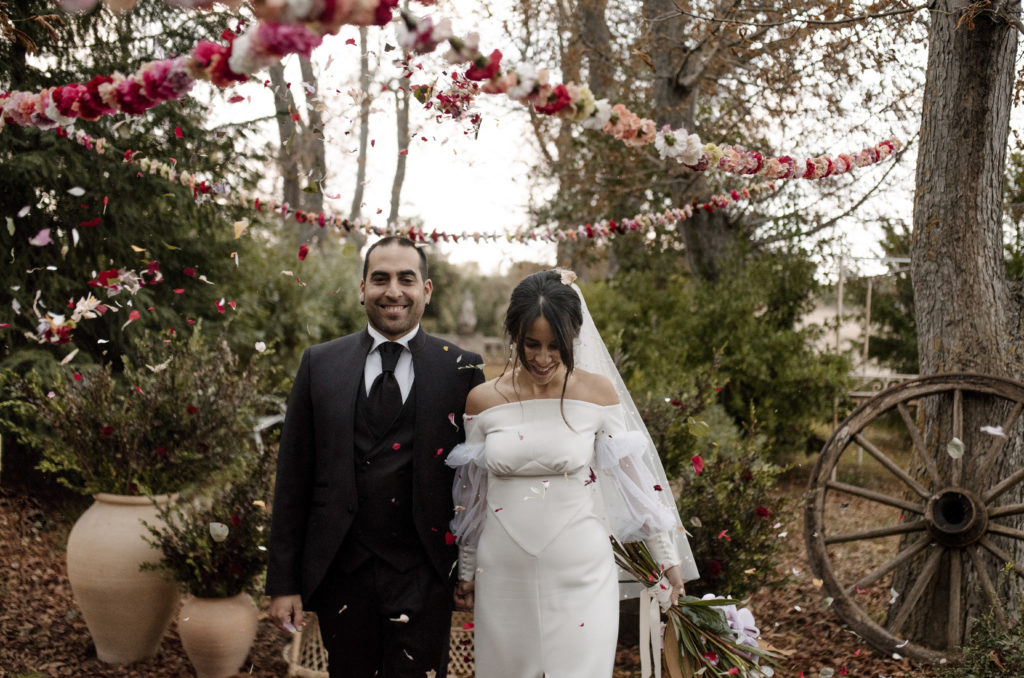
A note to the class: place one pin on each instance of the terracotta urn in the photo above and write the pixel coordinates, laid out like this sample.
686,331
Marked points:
217,633
126,609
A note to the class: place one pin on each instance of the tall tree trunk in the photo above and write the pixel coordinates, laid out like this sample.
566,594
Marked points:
597,39
709,238
284,104
402,133
364,123
967,317
314,158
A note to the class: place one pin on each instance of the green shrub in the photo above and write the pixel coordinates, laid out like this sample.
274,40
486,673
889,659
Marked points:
990,652
730,510
214,544
182,411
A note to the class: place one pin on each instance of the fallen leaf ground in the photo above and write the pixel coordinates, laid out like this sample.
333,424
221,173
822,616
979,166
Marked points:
42,635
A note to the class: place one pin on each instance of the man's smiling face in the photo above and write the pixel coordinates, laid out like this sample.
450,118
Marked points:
394,290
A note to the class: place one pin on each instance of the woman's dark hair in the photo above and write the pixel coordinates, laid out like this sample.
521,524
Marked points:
544,294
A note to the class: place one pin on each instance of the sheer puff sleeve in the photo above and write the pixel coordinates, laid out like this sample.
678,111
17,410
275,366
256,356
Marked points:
469,493
633,504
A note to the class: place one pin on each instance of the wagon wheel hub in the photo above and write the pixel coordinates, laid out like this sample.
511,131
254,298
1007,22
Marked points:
956,517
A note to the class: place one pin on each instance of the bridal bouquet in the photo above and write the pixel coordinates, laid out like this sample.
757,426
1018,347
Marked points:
713,638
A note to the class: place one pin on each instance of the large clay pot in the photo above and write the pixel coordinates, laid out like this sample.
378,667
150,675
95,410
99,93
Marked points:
217,633
126,609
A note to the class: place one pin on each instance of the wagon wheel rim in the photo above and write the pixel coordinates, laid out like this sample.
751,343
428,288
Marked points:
944,513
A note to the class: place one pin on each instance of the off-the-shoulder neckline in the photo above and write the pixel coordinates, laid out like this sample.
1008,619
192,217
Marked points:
530,400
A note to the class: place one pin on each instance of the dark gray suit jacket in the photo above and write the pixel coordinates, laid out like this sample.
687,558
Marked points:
315,489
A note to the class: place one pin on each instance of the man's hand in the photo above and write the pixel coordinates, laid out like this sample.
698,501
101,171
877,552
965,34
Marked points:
464,596
287,612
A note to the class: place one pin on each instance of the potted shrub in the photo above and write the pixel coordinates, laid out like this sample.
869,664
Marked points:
214,546
180,414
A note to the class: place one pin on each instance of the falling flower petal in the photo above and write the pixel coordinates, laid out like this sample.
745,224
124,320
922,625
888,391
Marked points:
303,252
955,448
24,210
218,531
41,238
260,347
401,619
451,418
76,191
698,464
994,431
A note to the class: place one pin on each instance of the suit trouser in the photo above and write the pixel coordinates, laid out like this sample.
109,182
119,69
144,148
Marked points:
377,621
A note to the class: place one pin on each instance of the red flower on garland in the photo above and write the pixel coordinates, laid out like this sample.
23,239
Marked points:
485,68
762,512
557,100
383,12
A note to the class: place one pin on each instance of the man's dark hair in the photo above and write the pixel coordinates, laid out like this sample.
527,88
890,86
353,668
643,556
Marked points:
396,240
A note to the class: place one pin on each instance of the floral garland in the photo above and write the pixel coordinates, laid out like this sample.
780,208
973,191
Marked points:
601,229
156,82
52,328
531,86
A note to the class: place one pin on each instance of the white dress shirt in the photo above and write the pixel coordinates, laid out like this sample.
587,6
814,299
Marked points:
403,370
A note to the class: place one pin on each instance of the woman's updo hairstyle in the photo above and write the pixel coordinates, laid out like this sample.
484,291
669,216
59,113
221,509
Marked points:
544,294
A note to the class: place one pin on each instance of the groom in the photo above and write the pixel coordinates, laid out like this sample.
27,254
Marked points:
362,497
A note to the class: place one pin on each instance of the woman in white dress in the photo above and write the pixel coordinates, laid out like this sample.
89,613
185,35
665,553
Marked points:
548,470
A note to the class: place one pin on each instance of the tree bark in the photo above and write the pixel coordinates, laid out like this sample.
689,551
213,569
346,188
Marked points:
364,123
967,317
708,238
313,154
286,130
402,133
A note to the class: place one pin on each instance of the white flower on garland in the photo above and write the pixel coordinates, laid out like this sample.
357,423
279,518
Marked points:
526,77
601,115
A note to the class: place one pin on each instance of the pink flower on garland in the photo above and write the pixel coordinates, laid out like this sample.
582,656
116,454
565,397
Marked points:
485,68
133,99
166,80
283,39
211,60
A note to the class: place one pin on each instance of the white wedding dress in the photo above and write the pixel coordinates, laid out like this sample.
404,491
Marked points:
536,497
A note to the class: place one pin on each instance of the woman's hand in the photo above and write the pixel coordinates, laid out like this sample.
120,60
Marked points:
674,575
464,596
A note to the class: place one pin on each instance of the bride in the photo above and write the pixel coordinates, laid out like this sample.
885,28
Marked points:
556,458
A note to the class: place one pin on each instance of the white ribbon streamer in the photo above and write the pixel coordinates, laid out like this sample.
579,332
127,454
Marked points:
650,632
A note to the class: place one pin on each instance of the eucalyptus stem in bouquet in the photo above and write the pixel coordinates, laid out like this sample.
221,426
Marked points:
707,645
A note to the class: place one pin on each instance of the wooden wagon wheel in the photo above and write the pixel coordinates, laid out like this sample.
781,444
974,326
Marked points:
928,511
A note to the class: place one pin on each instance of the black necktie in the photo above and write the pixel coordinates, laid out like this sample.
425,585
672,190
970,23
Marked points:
385,395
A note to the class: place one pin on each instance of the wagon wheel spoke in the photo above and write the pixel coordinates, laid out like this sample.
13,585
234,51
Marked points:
958,433
878,496
919,448
1002,555
998,442
904,528
986,584
954,632
998,489
1003,511
910,602
1006,531
884,569
888,463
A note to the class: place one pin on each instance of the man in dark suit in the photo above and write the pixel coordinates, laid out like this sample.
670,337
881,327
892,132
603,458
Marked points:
362,497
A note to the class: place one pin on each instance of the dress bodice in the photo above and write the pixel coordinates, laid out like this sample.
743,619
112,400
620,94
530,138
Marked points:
533,438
